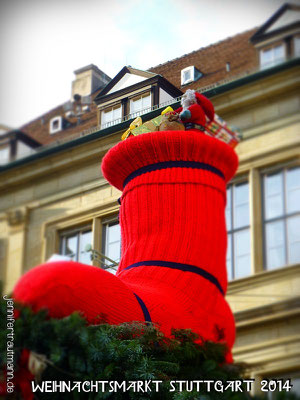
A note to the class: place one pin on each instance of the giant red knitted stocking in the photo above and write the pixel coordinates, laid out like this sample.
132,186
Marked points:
172,270
173,227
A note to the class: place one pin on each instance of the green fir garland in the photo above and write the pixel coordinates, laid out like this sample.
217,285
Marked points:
75,351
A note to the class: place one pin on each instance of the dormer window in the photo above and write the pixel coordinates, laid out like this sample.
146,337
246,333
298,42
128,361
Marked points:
111,116
131,93
190,74
15,145
56,124
272,56
140,104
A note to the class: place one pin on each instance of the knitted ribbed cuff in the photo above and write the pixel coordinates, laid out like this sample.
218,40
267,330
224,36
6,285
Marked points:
139,154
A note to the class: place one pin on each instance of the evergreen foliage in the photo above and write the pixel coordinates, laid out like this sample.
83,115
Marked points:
76,351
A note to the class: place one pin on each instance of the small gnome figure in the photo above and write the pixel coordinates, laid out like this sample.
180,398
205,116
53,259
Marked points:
195,108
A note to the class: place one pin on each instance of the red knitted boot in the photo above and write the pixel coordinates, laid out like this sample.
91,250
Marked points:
172,270
173,227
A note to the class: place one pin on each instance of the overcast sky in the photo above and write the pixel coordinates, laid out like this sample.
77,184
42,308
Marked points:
43,41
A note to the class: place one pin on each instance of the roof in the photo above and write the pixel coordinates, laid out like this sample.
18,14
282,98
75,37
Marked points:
19,135
120,75
262,32
127,88
212,60
96,133
38,129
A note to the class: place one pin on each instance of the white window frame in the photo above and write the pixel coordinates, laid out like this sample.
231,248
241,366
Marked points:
144,108
58,119
187,71
77,231
273,61
116,116
283,217
190,74
233,230
106,223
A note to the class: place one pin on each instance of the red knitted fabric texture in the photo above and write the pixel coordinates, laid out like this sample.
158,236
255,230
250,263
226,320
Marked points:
175,214
172,270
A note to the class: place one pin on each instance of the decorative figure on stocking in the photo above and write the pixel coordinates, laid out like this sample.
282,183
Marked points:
195,108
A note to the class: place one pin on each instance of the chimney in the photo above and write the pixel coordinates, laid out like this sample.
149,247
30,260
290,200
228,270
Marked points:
88,80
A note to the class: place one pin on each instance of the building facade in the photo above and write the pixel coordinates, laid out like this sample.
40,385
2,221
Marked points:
55,200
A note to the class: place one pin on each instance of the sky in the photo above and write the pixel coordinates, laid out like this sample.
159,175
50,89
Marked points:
42,42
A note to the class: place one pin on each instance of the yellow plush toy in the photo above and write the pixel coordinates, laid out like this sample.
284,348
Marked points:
134,124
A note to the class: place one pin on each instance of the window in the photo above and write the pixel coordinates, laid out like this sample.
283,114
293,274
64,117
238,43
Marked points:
190,74
112,243
111,116
296,46
281,191
140,104
187,76
56,124
272,56
73,244
238,231
4,155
